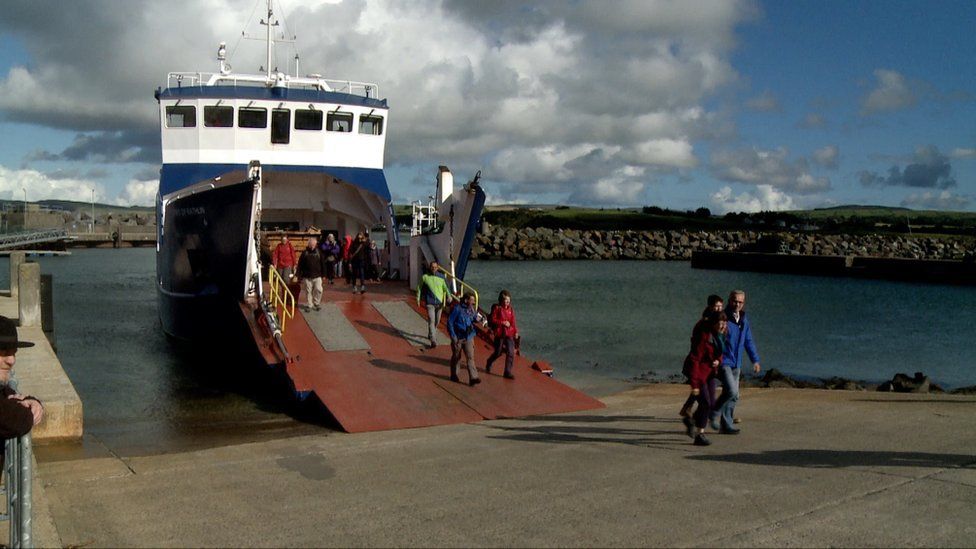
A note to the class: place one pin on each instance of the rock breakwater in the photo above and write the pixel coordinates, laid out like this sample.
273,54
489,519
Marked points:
543,243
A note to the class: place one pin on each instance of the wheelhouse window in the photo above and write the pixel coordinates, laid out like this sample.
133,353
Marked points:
307,119
181,116
252,117
339,122
280,126
217,116
371,125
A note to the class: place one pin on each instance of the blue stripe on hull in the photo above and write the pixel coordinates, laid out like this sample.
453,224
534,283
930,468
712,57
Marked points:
174,177
473,221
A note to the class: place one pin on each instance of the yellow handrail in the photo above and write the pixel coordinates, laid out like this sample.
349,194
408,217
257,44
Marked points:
280,297
463,284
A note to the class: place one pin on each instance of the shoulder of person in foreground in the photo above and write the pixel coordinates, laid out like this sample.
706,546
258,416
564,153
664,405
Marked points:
16,419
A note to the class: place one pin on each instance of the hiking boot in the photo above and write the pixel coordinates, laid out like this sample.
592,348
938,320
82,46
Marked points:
701,440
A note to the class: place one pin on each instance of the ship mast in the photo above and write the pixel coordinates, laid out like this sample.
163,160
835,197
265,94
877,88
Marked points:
270,39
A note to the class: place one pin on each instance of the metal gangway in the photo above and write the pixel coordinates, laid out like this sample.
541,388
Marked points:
25,239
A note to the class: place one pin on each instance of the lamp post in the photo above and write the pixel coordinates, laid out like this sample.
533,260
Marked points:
93,210
25,206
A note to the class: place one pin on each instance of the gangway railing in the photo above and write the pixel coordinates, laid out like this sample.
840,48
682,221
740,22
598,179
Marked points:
280,297
25,238
460,283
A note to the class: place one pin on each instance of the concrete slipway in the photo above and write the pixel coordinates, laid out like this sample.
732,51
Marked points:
811,468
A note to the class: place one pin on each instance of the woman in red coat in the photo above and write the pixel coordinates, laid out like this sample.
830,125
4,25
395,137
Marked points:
505,331
704,359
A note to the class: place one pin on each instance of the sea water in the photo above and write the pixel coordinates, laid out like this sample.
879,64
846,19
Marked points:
603,325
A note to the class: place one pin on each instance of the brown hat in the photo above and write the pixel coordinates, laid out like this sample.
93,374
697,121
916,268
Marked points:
8,335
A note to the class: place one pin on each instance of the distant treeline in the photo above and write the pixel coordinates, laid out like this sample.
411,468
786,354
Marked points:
847,220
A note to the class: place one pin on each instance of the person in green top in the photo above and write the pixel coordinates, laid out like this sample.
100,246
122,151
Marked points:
433,290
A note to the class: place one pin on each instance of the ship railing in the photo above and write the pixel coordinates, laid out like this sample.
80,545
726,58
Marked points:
424,217
190,79
280,297
460,286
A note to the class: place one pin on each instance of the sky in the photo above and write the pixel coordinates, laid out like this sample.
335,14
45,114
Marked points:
733,105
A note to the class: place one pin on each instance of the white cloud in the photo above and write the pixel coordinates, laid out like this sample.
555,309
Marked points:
891,93
544,91
138,193
944,200
963,153
763,198
39,186
827,156
767,167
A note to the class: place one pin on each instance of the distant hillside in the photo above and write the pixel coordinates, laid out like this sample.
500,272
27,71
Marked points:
73,206
853,219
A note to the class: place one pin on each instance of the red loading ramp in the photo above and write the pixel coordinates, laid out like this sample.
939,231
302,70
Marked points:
396,384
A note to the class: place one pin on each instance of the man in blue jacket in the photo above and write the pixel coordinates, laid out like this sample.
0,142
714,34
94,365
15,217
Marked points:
729,373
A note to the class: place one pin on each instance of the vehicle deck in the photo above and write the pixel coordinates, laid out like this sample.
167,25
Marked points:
370,366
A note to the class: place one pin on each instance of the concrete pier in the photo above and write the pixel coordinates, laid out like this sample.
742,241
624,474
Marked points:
811,468
38,370
884,268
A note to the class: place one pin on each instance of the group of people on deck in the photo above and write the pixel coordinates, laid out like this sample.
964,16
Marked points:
357,259
462,325
717,342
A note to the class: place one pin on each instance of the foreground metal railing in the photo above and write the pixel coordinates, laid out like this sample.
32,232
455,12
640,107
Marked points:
18,471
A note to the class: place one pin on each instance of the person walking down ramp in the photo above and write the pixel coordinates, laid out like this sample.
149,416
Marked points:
703,360
461,326
729,373
713,303
330,249
433,290
311,268
284,259
505,331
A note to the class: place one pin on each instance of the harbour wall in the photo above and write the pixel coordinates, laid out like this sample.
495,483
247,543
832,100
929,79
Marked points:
507,243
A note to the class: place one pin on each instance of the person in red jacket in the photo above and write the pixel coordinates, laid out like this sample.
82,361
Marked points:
505,330
703,360
284,259
714,303
18,413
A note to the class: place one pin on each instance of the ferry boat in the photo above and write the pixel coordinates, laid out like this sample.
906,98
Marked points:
249,158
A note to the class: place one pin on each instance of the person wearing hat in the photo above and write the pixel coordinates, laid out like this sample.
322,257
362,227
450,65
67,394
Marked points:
18,413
